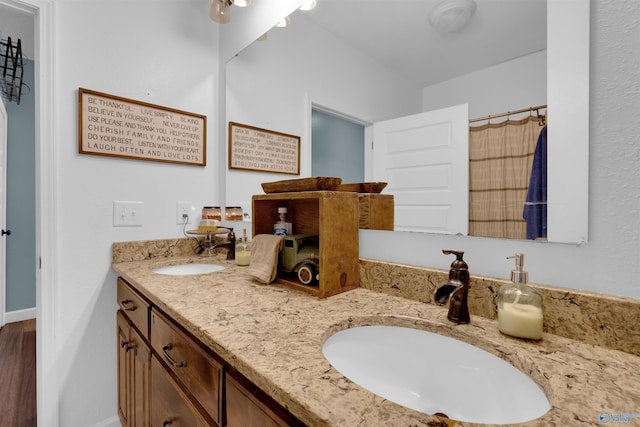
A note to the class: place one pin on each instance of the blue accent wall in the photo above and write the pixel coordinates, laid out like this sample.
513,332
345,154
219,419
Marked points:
21,195
337,147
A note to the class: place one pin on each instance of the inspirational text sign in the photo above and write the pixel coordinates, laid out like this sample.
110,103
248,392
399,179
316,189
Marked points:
252,148
120,127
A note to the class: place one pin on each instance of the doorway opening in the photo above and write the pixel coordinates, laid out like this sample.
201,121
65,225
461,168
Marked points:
337,146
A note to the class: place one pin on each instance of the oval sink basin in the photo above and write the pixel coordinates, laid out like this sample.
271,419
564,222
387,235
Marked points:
435,374
188,269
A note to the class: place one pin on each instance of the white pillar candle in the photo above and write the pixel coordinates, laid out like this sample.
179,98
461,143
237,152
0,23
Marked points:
243,257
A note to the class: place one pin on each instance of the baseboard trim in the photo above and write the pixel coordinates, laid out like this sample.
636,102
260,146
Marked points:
19,315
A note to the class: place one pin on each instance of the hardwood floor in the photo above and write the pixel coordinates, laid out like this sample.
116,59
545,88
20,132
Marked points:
18,374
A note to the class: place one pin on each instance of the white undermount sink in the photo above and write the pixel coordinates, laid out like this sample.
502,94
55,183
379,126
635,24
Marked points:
187,269
435,374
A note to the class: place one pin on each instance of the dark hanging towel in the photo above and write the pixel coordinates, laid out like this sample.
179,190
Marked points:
535,206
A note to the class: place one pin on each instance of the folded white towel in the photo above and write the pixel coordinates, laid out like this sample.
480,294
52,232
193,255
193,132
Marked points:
264,257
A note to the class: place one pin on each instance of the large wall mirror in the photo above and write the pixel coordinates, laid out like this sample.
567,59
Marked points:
275,83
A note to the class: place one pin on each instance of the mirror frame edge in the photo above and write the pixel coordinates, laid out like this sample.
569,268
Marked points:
568,222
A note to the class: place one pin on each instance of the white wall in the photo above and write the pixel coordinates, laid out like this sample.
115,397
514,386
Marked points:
509,86
161,52
610,261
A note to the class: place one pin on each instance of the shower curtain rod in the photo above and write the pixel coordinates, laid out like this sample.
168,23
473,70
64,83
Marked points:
508,113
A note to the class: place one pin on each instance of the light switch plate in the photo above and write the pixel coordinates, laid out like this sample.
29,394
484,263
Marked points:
127,214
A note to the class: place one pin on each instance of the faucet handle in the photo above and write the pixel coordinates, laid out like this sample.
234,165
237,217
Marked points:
458,263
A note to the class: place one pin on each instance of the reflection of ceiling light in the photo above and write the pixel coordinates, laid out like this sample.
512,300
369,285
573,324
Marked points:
452,15
220,11
242,3
284,22
308,4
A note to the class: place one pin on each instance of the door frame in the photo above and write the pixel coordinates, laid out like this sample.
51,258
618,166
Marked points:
3,215
46,184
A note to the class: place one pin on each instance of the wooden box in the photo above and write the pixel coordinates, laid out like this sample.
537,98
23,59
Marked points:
375,211
333,216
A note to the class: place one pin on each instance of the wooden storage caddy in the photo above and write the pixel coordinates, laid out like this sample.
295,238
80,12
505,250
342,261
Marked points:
376,211
333,216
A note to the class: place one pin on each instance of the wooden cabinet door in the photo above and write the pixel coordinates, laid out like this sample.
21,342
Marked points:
123,369
133,375
139,369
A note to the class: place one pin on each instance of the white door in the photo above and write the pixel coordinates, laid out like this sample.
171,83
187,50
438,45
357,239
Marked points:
424,158
3,206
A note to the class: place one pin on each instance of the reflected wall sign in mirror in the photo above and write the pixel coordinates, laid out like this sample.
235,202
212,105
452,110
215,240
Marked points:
274,84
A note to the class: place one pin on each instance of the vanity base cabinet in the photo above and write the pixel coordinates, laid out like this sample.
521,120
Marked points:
168,377
196,370
248,406
170,406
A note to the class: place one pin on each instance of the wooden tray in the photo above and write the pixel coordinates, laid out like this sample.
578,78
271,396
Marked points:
302,184
363,187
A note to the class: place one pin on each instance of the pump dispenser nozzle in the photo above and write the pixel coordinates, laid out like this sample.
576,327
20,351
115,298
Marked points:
519,275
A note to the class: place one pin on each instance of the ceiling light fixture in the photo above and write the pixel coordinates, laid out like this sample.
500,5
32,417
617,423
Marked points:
220,11
284,22
451,16
308,4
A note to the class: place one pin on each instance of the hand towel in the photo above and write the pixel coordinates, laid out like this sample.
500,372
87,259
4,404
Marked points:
535,206
264,257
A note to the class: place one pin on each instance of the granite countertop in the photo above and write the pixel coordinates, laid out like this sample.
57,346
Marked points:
273,336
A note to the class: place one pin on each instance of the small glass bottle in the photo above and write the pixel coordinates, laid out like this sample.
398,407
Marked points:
243,250
519,305
282,227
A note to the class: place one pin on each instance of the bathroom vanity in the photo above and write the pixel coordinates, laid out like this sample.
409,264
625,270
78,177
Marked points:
166,376
256,349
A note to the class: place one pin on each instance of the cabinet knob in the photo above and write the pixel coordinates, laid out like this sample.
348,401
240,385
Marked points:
167,422
126,345
7,232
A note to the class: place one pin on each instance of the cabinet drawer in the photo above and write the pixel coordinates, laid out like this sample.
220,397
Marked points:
198,371
169,405
136,309
247,406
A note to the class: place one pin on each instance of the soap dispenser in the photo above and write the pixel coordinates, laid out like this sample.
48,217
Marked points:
243,249
519,305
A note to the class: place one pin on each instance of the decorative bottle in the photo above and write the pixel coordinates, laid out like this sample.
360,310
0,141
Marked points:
519,305
282,227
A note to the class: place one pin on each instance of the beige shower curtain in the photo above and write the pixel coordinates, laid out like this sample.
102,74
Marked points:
500,159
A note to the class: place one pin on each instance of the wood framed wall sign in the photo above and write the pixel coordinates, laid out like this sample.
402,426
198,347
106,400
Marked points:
252,148
113,126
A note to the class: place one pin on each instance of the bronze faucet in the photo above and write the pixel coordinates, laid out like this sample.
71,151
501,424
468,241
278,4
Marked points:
209,244
456,290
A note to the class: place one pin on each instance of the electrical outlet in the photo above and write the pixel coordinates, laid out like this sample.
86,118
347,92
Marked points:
185,208
127,214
